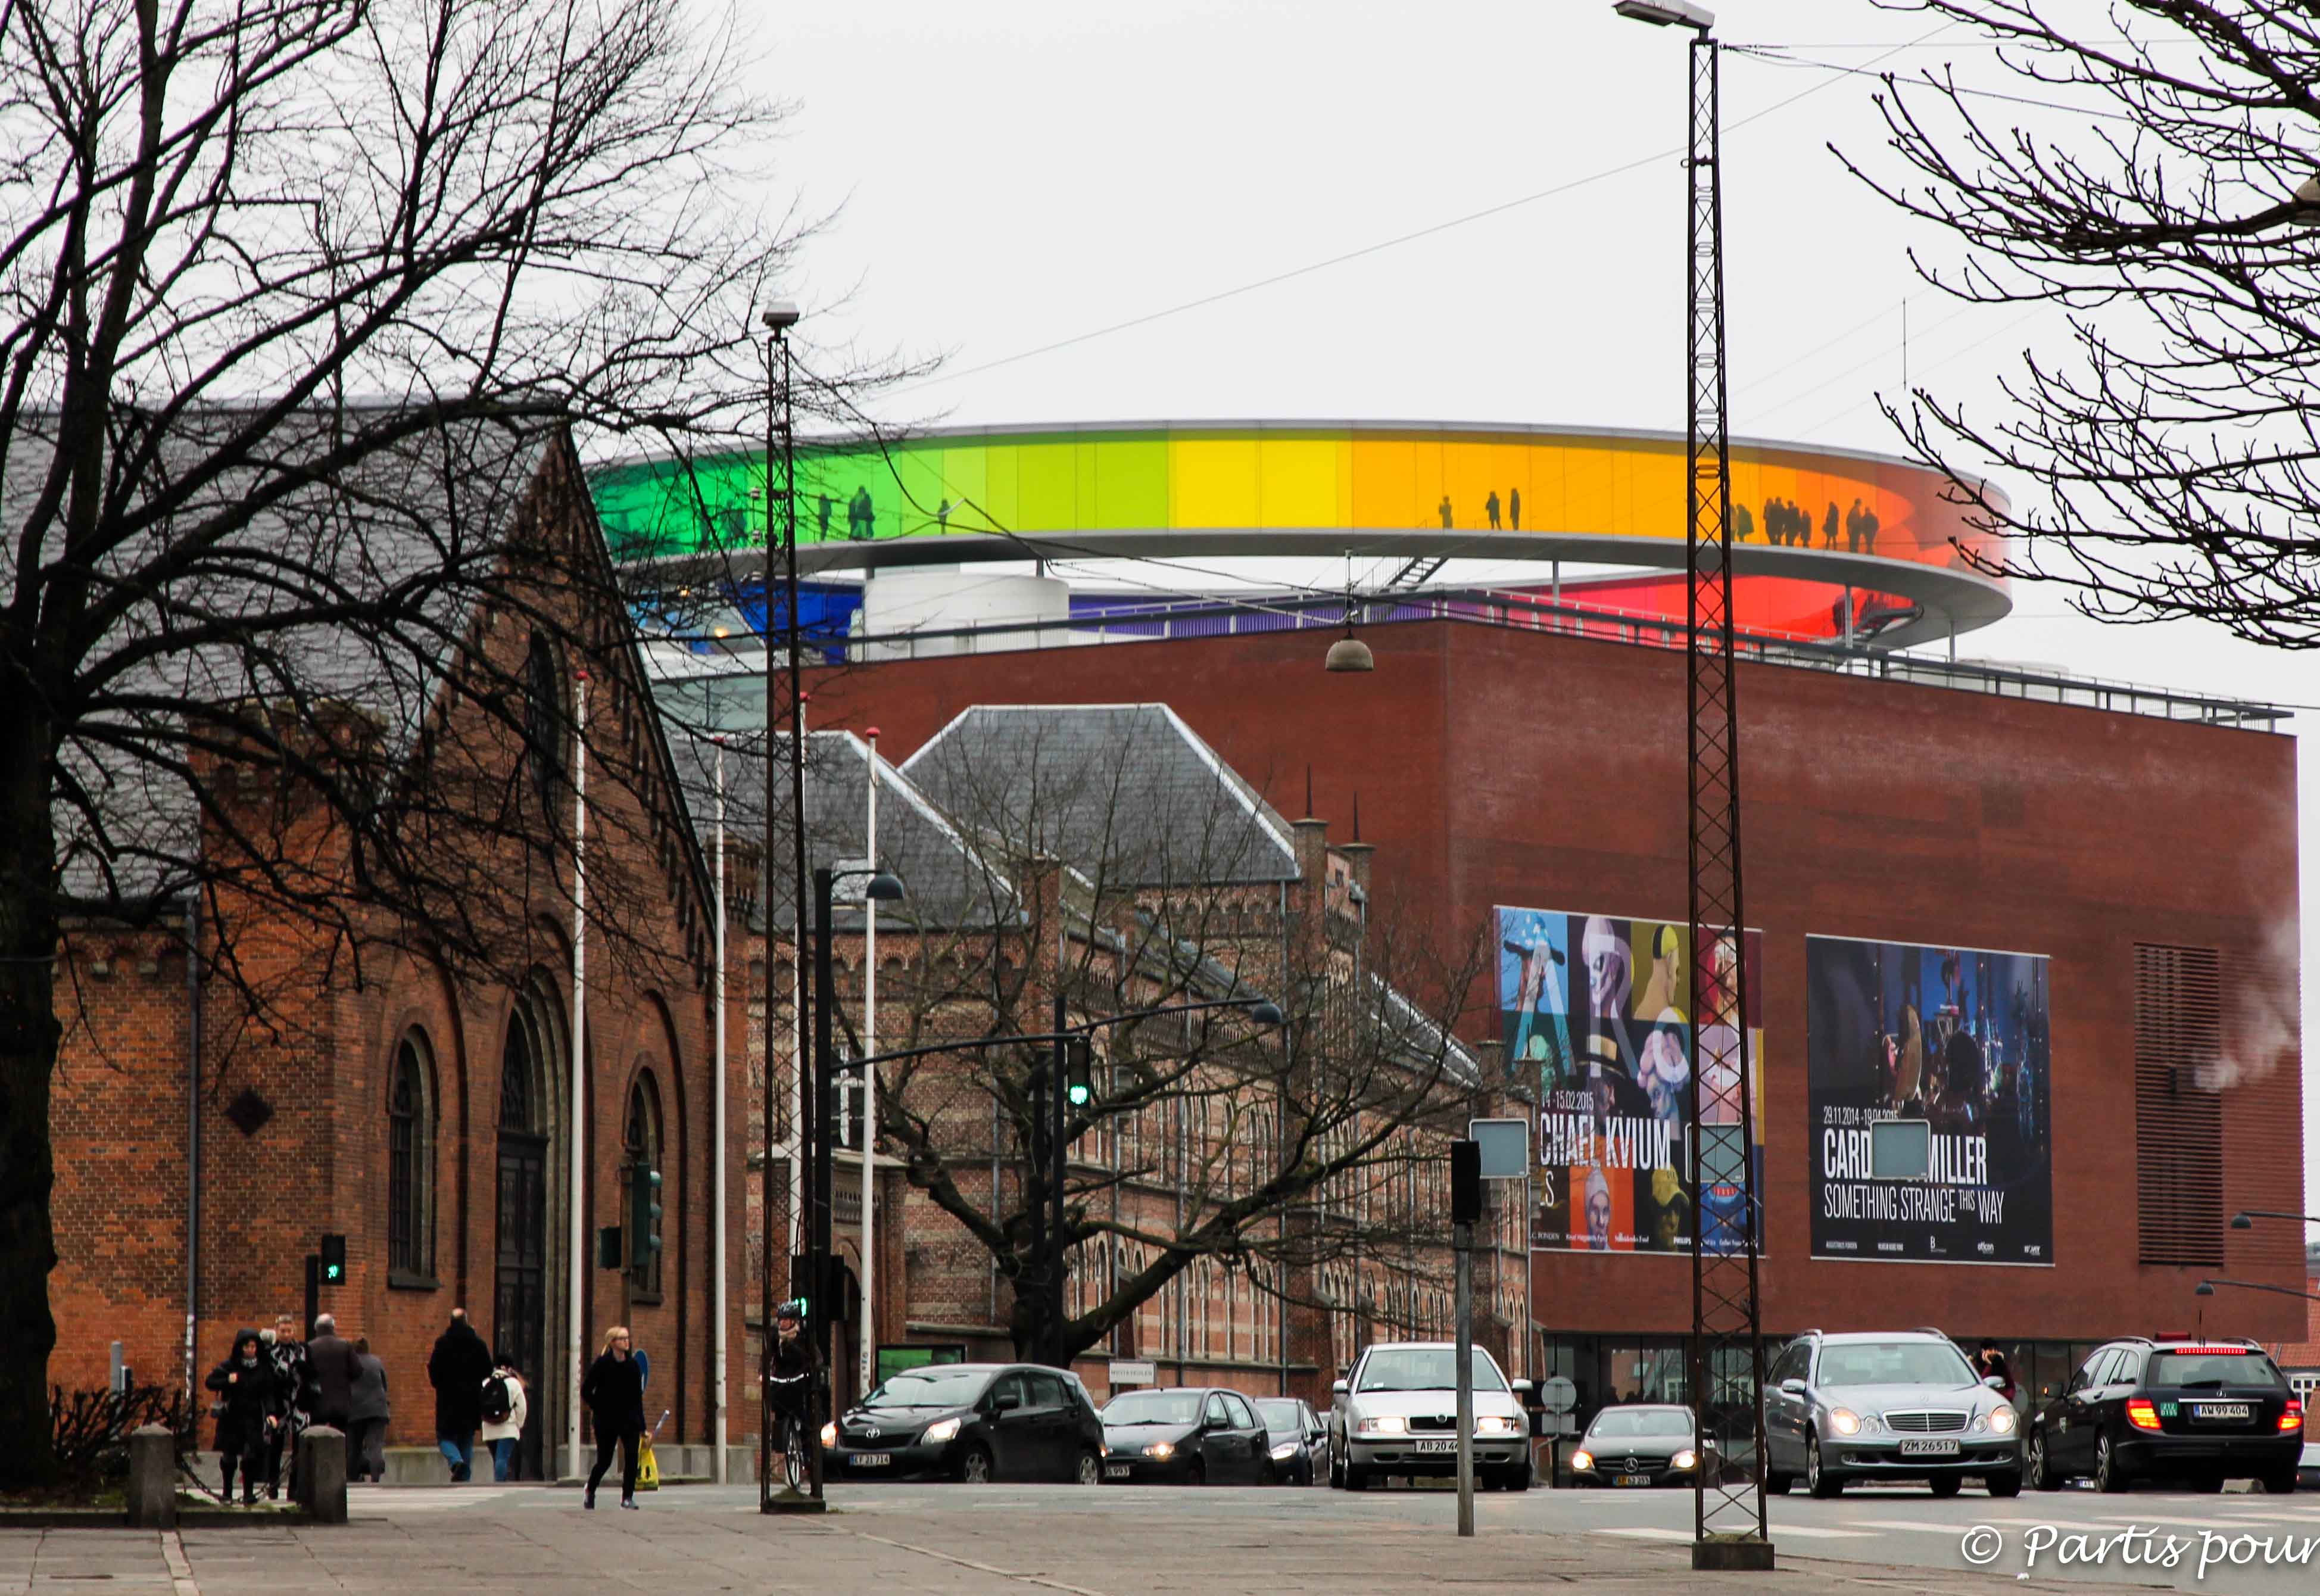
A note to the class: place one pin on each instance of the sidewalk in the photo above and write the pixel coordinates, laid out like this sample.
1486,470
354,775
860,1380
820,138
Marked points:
997,1549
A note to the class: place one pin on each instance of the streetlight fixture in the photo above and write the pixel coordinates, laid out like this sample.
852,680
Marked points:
2246,1218
2207,1288
1662,13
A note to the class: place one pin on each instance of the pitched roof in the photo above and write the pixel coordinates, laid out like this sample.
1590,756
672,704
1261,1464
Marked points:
1127,794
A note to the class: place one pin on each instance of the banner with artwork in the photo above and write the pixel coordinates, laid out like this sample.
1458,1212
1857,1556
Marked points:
1953,1043
1596,1017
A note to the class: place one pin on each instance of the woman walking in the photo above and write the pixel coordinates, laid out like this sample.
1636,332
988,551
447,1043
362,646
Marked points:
246,1413
367,1415
614,1391
504,1406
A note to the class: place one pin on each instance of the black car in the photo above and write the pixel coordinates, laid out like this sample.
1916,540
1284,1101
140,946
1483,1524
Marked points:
1645,1444
1190,1435
2199,1412
1301,1441
976,1422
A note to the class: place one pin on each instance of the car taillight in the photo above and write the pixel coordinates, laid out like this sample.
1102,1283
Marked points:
2293,1418
2141,1414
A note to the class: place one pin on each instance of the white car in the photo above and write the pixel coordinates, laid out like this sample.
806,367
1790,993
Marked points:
1396,1412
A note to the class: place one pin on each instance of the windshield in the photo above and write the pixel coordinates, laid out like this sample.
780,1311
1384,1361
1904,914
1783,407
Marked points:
1621,1423
930,1388
1894,1363
1280,1415
1155,1407
1426,1368
2213,1368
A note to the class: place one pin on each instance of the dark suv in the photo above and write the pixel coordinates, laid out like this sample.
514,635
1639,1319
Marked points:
975,1422
2197,1411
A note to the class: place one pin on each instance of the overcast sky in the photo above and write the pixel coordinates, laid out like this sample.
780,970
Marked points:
1010,176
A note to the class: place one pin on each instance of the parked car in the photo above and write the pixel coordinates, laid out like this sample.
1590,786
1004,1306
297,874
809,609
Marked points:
1886,1405
976,1422
1396,1412
1642,1444
1301,1441
1186,1436
2196,1412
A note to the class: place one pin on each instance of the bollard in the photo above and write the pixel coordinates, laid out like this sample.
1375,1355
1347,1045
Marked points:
322,1474
152,1478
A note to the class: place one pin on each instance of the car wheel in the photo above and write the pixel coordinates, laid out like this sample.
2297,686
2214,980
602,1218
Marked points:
2280,1482
1091,1470
974,1466
1518,1478
2206,1485
1778,1484
2041,1466
1821,1481
1945,1486
1336,1473
1196,1474
2009,1483
2109,1477
1356,1477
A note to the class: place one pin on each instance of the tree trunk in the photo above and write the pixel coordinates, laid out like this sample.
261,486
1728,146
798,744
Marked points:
29,1034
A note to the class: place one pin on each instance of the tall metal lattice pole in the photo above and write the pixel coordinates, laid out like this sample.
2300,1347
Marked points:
1728,1359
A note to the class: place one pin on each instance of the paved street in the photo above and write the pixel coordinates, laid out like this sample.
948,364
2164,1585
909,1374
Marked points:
1135,1542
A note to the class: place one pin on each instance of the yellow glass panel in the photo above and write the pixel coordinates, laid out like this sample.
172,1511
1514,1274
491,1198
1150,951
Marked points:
965,484
1215,482
1047,486
1001,499
1385,482
1297,482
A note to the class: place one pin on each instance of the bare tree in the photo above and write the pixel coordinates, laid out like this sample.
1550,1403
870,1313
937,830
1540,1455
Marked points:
303,299
2173,453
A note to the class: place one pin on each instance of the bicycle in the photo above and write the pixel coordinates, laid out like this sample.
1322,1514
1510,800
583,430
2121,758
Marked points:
789,1429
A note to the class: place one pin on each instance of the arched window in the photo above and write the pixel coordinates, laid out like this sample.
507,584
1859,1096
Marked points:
410,1161
642,1145
543,740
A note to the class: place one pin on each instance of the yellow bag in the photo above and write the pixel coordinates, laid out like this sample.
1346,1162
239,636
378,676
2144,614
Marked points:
648,1465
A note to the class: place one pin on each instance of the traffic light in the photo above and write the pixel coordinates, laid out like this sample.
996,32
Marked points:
1465,1183
334,1260
649,1212
1078,1072
608,1247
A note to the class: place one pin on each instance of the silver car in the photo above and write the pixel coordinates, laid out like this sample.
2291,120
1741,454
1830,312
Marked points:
1887,1405
1396,1412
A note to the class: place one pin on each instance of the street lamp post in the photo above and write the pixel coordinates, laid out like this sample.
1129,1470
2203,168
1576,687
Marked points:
1727,1346
2207,1288
2246,1218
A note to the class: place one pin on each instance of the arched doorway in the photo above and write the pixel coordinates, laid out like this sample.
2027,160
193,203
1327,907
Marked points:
527,1201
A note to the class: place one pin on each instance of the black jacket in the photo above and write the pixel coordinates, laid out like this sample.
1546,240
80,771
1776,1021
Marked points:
614,1391
331,1371
246,1397
456,1368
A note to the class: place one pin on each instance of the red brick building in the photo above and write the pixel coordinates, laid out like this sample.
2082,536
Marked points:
1961,807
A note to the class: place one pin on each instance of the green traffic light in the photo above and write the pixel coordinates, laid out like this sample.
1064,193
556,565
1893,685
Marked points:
1078,1094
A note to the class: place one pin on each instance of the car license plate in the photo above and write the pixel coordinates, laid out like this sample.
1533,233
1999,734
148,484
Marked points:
1632,1480
1437,1446
1117,1471
1941,1448
871,1459
2223,1412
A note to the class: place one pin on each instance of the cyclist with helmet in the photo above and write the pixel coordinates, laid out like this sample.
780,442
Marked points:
791,1370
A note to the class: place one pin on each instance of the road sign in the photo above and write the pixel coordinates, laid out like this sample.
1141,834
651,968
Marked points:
1125,1371
1557,1395
1506,1148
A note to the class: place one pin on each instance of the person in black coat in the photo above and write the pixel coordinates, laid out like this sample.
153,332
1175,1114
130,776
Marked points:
458,1368
614,1391
246,1412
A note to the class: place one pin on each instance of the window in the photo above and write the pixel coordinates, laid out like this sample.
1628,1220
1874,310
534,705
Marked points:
642,1144
410,1165
543,740
2178,1117
1216,1413
1243,1417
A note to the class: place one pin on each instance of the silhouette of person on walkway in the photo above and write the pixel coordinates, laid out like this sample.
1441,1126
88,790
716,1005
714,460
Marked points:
861,517
1514,508
822,504
1853,529
1445,511
1490,509
1869,531
942,516
1828,527
1744,525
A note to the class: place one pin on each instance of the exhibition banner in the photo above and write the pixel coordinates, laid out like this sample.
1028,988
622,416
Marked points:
1596,1019
1953,1040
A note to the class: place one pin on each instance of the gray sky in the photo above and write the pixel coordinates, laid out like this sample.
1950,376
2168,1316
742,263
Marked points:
1011,176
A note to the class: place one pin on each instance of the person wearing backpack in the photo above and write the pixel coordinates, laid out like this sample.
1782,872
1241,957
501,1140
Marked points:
504,1406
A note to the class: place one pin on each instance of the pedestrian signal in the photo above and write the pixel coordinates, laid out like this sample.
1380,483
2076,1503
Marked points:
1078,1072
334,1260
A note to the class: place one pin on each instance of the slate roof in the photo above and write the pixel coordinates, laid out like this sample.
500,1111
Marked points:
1126,794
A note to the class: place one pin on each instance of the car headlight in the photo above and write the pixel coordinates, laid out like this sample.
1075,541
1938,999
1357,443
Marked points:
1496,1424
2002,1421
941,1429
1284,1451
1845,1421
1161,1450
1582,1461
1385,1424
1687,1458
829,1435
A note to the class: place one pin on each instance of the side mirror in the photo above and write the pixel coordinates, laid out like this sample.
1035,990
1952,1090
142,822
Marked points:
1006,1401
1794,1386
1216,1421
1314,1436
1522,1387
1338,1388
1995,1381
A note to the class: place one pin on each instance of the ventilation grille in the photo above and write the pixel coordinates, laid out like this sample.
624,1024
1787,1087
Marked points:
2179,1116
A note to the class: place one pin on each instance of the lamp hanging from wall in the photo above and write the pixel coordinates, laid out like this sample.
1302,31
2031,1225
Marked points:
1349,653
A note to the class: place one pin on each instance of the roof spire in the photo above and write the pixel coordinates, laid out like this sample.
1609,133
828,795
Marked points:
1357,814
1309,792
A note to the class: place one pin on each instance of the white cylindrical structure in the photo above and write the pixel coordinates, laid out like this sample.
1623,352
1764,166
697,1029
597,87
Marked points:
578,1141
720,1227
869,1078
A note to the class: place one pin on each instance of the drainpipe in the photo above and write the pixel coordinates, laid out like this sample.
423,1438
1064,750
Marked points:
193,1130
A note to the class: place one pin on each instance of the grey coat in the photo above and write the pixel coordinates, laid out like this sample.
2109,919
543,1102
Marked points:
368,1394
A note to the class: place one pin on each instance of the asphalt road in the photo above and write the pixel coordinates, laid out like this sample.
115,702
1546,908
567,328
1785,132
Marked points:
2076,1535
